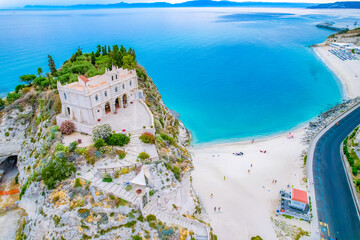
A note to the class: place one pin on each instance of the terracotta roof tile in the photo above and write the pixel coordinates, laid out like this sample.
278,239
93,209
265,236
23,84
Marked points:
300,196
85,79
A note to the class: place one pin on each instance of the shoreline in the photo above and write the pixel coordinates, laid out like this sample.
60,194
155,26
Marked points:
243,197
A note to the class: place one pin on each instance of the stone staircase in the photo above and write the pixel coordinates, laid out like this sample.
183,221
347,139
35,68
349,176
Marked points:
170,218
114,188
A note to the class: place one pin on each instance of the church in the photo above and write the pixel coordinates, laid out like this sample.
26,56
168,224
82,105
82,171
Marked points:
89,100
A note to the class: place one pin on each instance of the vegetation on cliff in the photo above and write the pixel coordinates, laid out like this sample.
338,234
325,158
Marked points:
50,166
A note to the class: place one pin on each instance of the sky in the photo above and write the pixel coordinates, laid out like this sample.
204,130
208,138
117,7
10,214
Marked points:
4,4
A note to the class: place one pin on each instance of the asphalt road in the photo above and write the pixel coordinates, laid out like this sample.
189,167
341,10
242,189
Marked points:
335,206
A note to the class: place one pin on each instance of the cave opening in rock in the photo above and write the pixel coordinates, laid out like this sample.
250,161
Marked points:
8,168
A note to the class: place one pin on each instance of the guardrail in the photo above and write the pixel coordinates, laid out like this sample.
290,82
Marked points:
309,167
350,180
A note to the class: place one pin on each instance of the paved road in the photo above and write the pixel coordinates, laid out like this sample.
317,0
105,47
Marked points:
336,209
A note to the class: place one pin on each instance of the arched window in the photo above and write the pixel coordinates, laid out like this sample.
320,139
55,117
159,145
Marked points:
130,83
116,76
123,86
96,97
105,93
116,89
65,96
112,78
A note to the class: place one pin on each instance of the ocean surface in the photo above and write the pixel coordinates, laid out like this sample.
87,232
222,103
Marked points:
231,74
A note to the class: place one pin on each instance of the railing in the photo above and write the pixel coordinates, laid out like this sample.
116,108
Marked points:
113,169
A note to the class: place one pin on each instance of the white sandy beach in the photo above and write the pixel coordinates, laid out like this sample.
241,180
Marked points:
347,71
248,200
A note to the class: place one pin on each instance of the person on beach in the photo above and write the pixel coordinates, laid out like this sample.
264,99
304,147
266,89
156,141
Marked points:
212,195
219,208
224,178
248,171
253,141
214,209
251,165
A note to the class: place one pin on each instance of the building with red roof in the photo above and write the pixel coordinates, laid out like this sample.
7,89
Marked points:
299,199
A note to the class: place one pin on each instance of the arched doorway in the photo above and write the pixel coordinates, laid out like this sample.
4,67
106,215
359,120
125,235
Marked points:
124,100
107,108
117,103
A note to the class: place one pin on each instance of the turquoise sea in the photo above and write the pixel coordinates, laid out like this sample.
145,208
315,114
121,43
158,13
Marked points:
230,73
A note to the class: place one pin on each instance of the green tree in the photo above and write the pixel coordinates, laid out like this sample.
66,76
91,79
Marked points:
27,78
51,64
104,51
39,71
132,53
93,59
2,104
128,62
57,170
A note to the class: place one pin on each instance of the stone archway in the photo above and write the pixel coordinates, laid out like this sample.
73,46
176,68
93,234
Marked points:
107,108
117,103
125,100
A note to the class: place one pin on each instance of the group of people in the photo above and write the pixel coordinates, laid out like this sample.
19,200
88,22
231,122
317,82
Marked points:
263,151
239,154
219,208
274,181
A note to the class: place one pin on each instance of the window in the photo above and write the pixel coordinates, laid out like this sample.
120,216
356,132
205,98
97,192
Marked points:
112,78
105,93
116,76
68,110
130,83
123,86
65,96
116,89
96,98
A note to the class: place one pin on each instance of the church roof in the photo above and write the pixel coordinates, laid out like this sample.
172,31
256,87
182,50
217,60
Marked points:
85,79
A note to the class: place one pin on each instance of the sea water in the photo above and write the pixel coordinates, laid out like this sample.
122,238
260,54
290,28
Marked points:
231,73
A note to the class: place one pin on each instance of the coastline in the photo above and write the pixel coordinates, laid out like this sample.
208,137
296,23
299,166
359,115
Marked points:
285,160
347,72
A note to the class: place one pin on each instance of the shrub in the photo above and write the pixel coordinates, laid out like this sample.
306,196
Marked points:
151,193
99,143
130,224
143,156
73,146
102,131
124,170
118,139
67,127
147,138
7,134
121,154
354,170
60,147
136,237
256,238
150,218
77,183
107,179
12,97
128,187
171,140
57,170
176,172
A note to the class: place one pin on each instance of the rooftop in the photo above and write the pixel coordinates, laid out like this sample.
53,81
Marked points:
299,195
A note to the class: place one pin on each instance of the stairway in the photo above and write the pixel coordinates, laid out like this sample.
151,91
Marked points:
174,219
114,188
